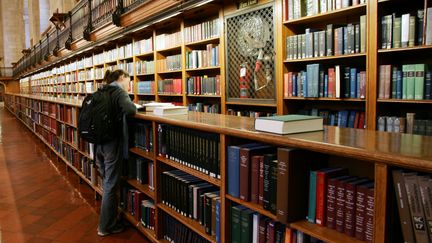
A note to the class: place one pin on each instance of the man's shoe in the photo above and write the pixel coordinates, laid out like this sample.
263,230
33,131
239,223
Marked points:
118,228
102,234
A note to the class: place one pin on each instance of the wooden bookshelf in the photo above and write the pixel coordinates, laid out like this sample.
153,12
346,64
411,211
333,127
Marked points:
143,188
150,234
142,153
406,49
318,59
257,208
339,13
322,233
190,223
191,171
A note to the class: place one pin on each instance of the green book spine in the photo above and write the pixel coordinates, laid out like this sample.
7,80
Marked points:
246,225
412,27
312,197
419,81
394,82
410,82
397,33
404,81
235,224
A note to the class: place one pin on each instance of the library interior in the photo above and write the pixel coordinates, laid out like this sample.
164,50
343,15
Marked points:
221,121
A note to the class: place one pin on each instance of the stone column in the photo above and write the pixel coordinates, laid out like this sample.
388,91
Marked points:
13,30
34,21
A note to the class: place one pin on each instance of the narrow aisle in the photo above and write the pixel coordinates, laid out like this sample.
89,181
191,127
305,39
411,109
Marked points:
39,200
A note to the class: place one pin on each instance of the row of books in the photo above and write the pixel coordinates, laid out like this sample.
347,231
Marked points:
87,168
164,41
145,87
337,82
170,63
46,122
294,9
255,114
125,51
206,108
87,148
412,194
191,197
249,226
142,170
68,134
407,30
411,81
203,85
101,8
143,46
342,202
195,149
332,41
296,236
205,30
342,118
170,86
133,201
203,58
127,66
174,231
406,124
144,67
143,136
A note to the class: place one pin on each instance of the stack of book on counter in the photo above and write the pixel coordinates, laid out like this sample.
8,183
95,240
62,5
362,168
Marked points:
289,124
160,108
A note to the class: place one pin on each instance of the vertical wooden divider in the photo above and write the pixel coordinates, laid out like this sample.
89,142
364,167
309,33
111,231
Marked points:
183,62
222,60
279,36
371,63
156,76
381,185
156,171
223,206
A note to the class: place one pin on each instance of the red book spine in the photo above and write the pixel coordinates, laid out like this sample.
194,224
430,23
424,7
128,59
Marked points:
331,83
217,84
340,206
254,178
369,226
350,200
320,196
360,213
244,175
286,85
290,84
261,181
270,231
262,232
331,203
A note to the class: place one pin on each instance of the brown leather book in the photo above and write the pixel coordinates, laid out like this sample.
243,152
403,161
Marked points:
292,181
340,203
369,226
255,163
245,168
261,181
360,220
350,205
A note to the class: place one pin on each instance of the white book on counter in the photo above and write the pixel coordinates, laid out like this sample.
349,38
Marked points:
289,124
170,110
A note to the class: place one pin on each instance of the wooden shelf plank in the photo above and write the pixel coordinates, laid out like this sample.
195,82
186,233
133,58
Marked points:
250,104
404,49
172,95
204,96
325,99
142,94
202,69
174,48
150,234
144,74
188,222
203,42
142,153
142,188
256,207
191,171
344,12
317,59
323,233
169,72
405,101
151,53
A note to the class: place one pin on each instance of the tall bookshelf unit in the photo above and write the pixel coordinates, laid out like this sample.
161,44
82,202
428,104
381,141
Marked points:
366,152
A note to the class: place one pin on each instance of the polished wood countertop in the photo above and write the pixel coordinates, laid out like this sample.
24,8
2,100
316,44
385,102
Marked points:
405,150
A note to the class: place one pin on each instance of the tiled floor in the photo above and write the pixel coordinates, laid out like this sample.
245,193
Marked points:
39,200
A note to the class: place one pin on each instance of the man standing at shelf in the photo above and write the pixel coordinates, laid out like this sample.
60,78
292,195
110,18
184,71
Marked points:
110,155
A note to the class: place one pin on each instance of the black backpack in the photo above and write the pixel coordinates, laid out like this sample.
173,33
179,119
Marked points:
97,120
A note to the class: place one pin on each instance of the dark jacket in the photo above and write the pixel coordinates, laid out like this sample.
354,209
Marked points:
125,107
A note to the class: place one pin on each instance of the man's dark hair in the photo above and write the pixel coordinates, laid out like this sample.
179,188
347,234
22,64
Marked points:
112,76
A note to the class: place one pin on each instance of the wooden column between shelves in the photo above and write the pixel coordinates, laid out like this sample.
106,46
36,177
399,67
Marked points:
381,185
371,64
183,64
223,209
279,56
222,63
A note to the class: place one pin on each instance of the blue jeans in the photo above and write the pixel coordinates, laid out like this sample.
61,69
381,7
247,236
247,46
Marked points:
108,159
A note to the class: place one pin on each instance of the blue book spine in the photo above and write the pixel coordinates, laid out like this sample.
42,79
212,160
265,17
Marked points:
234,171
304,84
353,84
325,85
308,88
217,230
351,119
344,119
312,197
339,120
428,85
294,84
399,84
358,86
